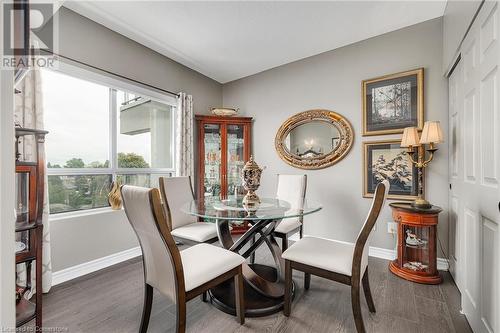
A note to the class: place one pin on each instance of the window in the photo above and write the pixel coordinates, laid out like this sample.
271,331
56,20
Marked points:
99,134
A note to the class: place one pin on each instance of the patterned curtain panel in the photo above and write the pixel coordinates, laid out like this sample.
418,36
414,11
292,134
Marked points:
184,157
29,114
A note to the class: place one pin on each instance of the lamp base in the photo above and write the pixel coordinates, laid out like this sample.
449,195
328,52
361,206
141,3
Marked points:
421,204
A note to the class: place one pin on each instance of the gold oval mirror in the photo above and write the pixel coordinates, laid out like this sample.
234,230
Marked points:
314,139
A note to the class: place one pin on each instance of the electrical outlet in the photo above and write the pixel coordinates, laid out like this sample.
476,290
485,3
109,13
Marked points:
392,227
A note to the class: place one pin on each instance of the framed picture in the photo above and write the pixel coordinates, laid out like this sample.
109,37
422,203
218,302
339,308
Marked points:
393,102
387,160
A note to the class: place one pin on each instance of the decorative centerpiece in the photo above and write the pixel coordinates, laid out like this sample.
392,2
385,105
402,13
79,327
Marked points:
114,196
250,175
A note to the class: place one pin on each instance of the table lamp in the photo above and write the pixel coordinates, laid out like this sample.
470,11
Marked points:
431,136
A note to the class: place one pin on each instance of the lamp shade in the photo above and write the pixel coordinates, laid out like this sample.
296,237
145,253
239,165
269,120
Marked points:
431,133
410,137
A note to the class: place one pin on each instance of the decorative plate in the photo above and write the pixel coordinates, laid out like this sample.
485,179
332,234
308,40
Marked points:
224,112
20,246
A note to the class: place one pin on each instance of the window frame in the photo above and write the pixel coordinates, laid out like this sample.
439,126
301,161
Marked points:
114,85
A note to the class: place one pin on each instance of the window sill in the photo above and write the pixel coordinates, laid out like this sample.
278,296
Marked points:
79,213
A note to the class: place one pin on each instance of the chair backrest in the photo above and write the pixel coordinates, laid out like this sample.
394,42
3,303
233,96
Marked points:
292,188
175,192
378,202
161,258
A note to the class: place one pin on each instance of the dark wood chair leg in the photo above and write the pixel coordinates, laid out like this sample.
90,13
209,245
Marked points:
356,307
252,256
368,293
287,304
284,242
239,293
181,317
307,281
301,231
146,310
204,296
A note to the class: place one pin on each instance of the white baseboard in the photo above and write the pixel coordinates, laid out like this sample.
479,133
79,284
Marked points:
73,272
387,254
379,252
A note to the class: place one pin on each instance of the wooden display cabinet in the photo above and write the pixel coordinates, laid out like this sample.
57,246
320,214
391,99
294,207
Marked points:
223,149
417,232
28,226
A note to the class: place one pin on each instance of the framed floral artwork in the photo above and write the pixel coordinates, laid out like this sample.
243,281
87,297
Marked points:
393,102
387,160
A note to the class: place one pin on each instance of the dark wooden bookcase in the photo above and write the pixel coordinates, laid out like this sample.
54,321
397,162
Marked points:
29,227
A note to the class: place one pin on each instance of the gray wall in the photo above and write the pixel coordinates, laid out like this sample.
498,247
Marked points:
91,235
88,236
457,18
332,80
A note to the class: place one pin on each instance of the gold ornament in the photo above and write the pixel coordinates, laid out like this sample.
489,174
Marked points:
250,175
114,196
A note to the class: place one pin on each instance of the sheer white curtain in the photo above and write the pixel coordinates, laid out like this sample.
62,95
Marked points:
184,122
29,113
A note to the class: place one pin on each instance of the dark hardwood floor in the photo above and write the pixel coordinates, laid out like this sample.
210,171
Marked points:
111,301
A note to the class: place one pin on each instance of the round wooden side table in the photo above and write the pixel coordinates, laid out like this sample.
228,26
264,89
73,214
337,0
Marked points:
417,231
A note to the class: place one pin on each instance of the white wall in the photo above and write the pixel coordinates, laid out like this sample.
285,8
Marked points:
332,80
457,17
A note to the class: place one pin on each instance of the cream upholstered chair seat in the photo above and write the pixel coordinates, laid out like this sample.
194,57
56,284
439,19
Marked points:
204,262
288,225
198,231
330,255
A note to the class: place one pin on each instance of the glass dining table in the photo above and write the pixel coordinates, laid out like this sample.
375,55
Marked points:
264,283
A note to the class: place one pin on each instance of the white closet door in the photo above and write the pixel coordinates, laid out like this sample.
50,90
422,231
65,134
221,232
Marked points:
475,172
455,143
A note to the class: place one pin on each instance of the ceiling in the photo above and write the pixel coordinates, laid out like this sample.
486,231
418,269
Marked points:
232,39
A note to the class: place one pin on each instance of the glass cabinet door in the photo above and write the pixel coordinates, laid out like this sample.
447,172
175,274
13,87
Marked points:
416,248
22,197
212,144
235,158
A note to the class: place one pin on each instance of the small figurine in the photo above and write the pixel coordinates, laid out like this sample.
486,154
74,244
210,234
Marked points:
412,239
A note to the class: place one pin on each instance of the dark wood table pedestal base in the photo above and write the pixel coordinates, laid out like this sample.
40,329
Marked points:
393,267
256,304
264,285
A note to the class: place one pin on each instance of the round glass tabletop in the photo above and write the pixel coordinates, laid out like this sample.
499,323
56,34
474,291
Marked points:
233,209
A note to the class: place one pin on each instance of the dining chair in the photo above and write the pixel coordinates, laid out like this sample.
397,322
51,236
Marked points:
338,261
178,275
175,192
291,188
